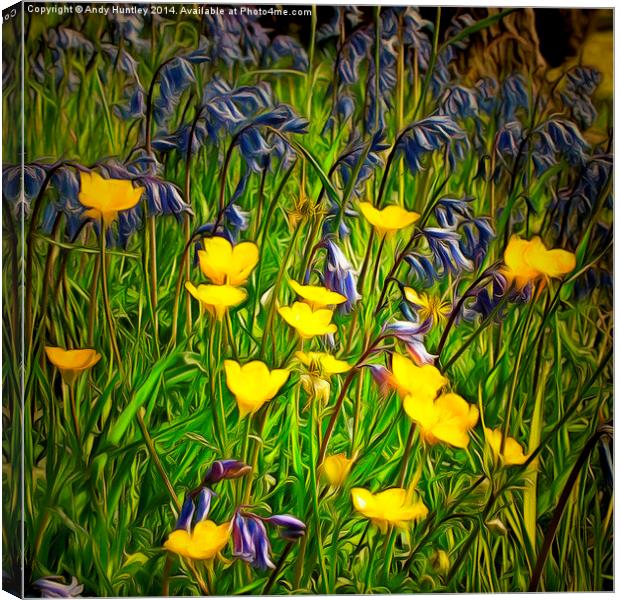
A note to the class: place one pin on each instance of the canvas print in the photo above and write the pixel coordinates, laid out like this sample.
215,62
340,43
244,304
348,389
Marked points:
306,299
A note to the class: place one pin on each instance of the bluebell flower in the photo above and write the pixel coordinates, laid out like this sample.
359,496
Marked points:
121,58
67,183
126,26
567,139
508,143
52,586
284,46
290,528
235,38
450,212
412,334
186,516
162,197
225,469
428,135
382,377
174,78
337,23
476,235
371,152
356,48
61,40
339,275
581,83
487,90
135,105
457,25
514,96
444,245
201,54
203,504
251,542
422,267
459,102
228,108
34,176
484,298
571,205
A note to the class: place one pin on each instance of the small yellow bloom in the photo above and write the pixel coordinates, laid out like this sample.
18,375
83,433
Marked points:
440,562
106,197
203,543
71,363
529,261
316,295
316,387
429,307
447,419
513,452
217,298
306,321
253,384
390,507
423,382
336,468
389,219
223,263
323,363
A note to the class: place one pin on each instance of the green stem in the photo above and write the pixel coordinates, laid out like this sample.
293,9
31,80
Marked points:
276,289
516,375
150,444
106,301
153,278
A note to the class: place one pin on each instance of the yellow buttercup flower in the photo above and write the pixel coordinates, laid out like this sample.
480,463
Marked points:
222,262
106,197
323,362
306,321
429,307
529,261
217,299
71,363
389,219
203,543
316,387
253,384
422,382
391,507
316,295
447,419
336,468
513,452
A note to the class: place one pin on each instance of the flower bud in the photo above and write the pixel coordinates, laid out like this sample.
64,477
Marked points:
440,562
496,526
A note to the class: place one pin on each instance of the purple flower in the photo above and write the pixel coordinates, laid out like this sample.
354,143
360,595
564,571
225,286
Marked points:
412,333
291,528
193,512
428,135
446,250
250,541
53,587
413,336
339,275
225,469
184,521
382,376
